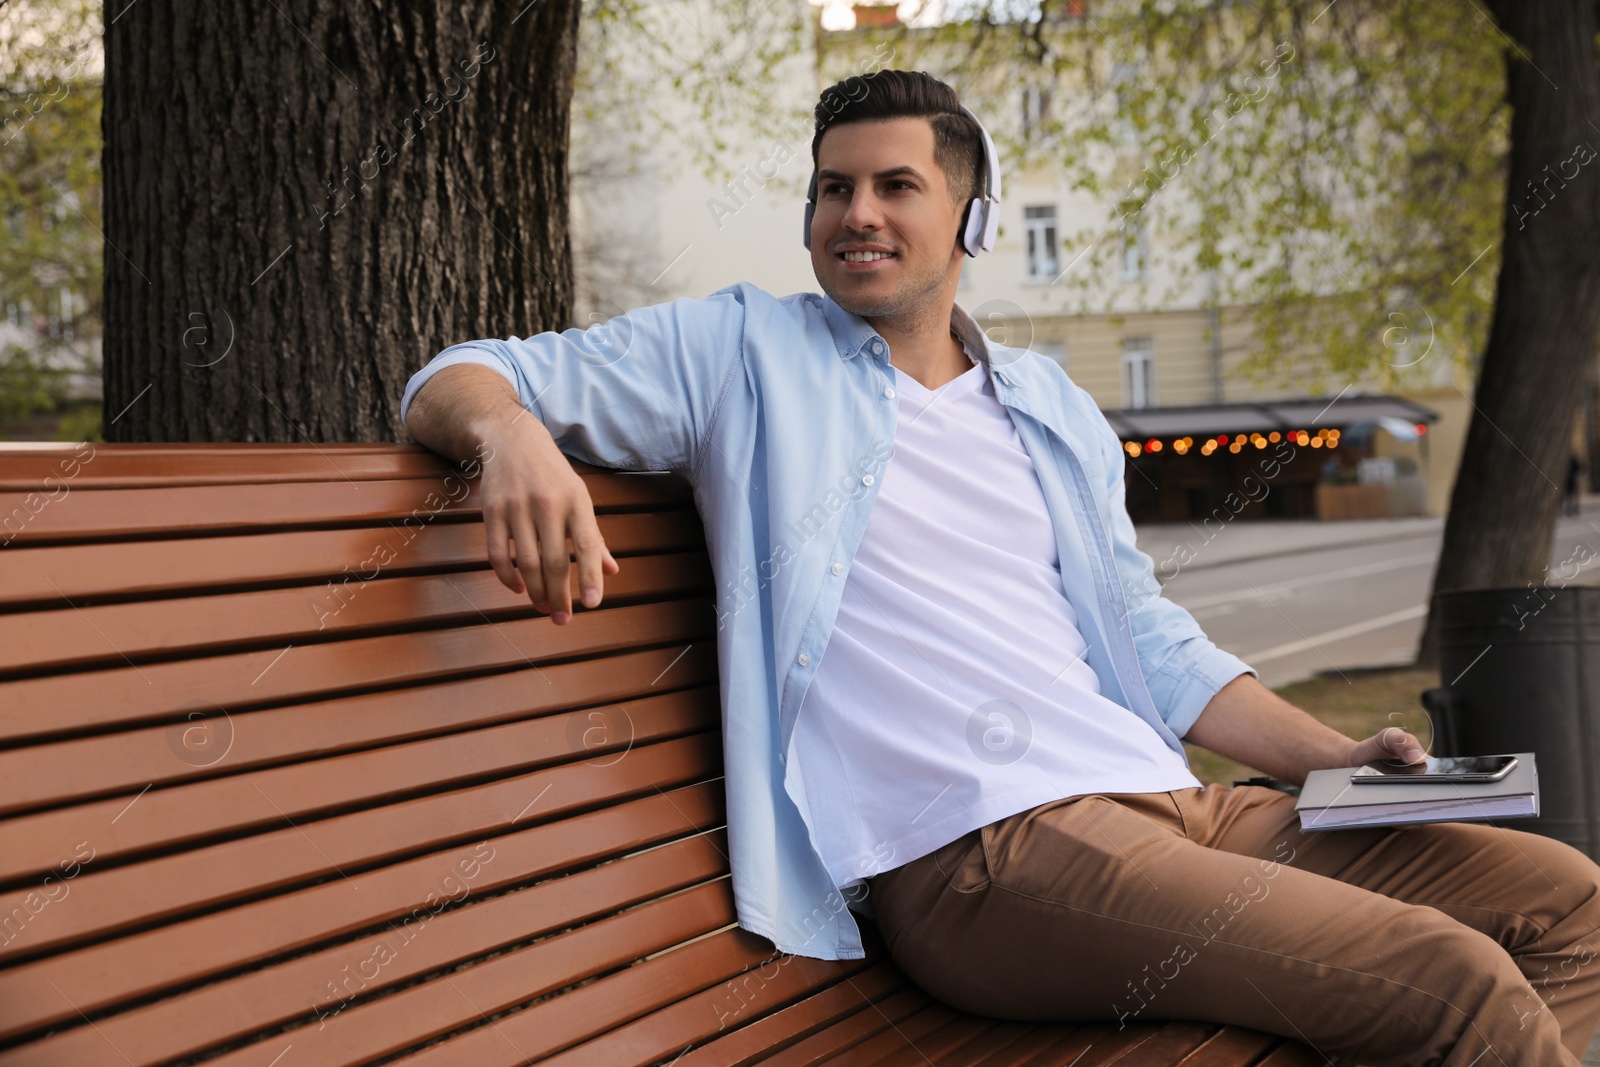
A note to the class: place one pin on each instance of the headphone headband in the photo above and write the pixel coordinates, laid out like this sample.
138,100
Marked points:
981,220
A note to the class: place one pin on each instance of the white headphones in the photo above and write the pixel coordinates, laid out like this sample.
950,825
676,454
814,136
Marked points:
979,223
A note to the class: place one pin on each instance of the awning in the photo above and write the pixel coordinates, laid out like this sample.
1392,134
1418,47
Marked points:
1307,413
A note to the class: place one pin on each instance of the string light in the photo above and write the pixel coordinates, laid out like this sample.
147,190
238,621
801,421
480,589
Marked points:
1325,437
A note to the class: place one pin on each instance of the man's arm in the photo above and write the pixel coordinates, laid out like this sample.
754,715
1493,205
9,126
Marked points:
530,494
1247,722
638,392
1207,695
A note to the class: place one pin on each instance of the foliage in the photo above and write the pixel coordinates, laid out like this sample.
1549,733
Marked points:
50,149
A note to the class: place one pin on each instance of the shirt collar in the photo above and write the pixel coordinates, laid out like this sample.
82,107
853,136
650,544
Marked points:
852,334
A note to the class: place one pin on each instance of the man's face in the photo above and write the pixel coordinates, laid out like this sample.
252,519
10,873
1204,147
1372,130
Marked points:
883,238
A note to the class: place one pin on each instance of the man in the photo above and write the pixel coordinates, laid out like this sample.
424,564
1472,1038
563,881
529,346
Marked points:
951,677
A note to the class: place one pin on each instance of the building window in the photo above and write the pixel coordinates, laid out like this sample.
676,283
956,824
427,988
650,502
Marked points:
1123,78
1135,243
1041,226
1138,372
1035,109
965,281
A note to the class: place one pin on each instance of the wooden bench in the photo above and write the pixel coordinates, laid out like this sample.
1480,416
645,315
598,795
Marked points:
287,777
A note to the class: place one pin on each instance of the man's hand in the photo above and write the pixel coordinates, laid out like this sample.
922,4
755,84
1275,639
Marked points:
1249,723
533,498
1392,744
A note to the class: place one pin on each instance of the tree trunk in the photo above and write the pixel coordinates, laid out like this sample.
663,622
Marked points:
1541,342
305,201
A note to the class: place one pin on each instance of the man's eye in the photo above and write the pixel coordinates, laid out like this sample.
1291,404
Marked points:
835,188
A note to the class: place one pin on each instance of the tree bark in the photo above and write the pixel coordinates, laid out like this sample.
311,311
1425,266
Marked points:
305,201
1541,342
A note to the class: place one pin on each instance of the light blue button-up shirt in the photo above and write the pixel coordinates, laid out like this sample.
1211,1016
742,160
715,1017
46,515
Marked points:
780,412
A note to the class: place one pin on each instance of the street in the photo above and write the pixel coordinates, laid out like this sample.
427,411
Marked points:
1292,614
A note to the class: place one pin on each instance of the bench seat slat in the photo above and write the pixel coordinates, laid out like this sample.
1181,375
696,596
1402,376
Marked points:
123,569
1292,1055
871,996
704,1012
233,806
319,987
137,966
838,1042
79,637
164,692
941,1043
540,1030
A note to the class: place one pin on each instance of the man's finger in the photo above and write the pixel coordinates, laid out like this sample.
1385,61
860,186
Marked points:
528,559
556,562
590,547
497,536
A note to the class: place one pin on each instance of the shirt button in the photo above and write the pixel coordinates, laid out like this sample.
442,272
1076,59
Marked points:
838,568
867,479
877,347
888,392
805,658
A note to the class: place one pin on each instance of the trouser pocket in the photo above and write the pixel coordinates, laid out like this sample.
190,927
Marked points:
964,862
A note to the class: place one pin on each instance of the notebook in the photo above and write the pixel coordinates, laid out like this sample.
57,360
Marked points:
1330,801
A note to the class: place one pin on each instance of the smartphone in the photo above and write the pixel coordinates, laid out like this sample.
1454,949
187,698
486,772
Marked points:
1438,769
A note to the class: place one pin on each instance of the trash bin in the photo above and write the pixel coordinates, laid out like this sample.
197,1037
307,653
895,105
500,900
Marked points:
1521,673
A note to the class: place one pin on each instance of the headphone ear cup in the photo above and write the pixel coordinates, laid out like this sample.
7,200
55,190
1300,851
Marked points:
991,227
811,208
976,221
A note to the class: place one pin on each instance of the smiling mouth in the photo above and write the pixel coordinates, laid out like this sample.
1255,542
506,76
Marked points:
864,257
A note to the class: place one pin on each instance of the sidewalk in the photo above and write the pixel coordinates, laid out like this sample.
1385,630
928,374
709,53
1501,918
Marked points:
1241,539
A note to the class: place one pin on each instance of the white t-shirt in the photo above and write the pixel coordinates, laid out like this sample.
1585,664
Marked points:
953,690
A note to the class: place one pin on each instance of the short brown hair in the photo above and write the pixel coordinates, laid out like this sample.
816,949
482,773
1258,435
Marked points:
894,94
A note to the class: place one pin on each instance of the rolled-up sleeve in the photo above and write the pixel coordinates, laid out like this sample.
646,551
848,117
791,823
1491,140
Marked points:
1182,667
637,392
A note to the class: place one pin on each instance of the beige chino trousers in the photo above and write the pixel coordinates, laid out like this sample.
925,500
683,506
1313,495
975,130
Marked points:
1445,943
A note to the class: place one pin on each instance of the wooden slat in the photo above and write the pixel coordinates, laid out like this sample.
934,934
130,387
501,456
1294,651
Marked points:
33,466
122,898
1293,1054
911,1030
43,466
35,994
81,637
106,514
168,692
117,766
31,576
318,989
698,1017
1084,1045
1230,1047
836,1043
944,1043
541,1030
1027,1048
239,804
873,995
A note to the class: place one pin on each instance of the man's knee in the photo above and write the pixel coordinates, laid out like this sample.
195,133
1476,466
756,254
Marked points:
1565,894
1459,985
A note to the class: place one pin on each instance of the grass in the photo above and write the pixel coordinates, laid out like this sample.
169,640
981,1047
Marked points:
1357,703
